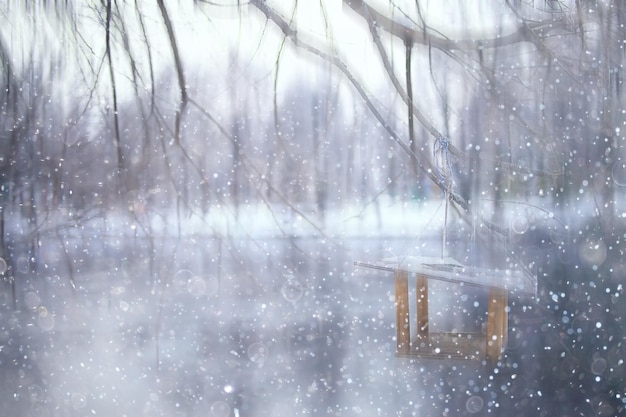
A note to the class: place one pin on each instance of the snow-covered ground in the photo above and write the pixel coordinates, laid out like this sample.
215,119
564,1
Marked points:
261,313
383,219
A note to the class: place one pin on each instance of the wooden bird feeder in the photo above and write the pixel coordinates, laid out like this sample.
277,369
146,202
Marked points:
482,345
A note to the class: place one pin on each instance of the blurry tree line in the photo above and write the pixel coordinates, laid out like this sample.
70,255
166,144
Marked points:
104,106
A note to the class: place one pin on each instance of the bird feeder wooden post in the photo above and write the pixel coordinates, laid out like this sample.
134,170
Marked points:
403,323
499,283
497,323
421,301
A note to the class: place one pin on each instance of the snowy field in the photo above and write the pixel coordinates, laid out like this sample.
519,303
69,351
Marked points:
260,313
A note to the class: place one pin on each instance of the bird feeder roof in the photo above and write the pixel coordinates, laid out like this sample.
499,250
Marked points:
450,270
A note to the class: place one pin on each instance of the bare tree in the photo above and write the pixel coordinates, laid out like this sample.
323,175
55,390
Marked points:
520,113
508,79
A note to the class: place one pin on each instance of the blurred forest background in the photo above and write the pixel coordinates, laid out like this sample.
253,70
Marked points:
307,105
142,114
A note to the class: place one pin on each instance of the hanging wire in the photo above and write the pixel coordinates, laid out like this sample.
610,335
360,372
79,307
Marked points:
443,160
443,164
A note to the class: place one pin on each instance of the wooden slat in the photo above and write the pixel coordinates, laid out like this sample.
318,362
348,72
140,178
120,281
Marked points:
450,345
421,295
403,335
497,324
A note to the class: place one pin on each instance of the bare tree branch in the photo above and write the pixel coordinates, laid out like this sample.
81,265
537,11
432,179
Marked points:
423,163
182,85
144,34
420,36
116,122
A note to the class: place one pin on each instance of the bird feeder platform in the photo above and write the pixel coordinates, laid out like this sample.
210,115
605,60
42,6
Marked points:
500,283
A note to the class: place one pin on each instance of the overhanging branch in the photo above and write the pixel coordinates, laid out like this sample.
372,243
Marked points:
422,162
420,36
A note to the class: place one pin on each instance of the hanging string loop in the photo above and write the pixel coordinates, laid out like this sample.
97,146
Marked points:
443,161
443,165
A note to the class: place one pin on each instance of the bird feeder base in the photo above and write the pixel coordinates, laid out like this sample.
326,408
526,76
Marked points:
452,345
